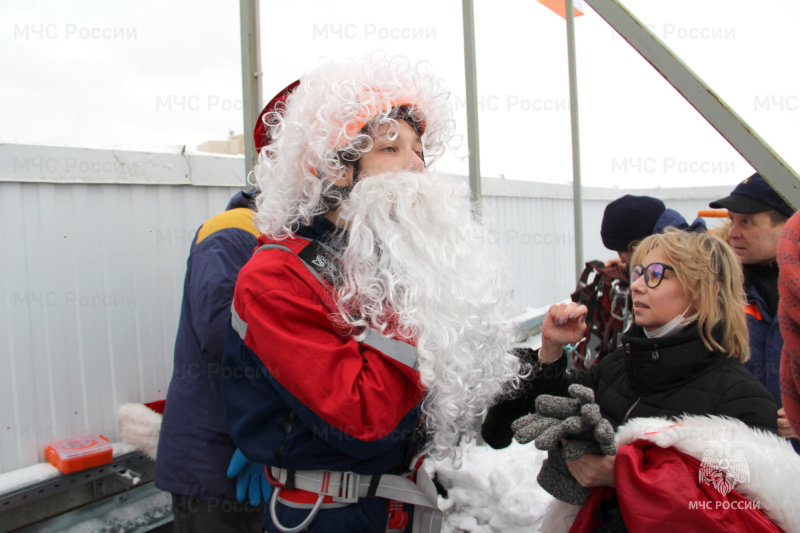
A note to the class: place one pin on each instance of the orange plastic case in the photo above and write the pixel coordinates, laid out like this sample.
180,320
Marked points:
79,453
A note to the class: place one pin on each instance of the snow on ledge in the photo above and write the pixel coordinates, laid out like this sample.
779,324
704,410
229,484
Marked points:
17,479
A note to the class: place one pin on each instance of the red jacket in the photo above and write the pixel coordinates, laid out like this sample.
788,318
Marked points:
789,316
301,393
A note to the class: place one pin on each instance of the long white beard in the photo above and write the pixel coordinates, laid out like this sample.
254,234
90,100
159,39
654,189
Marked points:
416,263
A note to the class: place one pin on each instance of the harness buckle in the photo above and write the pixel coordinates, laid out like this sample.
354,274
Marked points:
348,488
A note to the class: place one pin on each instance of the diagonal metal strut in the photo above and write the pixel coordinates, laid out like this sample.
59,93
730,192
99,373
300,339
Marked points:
730,125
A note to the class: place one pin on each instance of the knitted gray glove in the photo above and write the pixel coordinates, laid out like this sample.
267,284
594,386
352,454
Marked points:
557,480
576,419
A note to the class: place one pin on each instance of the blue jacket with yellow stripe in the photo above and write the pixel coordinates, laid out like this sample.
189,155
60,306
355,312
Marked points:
194,448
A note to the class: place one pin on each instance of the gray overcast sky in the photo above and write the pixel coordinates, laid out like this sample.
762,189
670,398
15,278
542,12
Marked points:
138,74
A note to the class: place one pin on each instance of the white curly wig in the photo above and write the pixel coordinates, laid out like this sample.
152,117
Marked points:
322,125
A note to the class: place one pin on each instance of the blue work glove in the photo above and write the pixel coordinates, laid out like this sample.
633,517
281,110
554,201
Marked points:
250,479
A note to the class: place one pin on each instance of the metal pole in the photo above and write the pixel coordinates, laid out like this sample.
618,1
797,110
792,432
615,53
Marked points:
731,126
471,78
577,193
251,79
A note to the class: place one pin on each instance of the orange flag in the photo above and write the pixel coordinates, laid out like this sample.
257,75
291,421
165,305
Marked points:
560,7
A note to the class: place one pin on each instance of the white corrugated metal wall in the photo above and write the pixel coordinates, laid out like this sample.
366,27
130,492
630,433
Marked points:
91,282
534,222
91,276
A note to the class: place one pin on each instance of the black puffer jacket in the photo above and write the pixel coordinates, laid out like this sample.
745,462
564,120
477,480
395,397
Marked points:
646,377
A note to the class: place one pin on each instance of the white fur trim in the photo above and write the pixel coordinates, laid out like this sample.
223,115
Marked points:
139,426
772,462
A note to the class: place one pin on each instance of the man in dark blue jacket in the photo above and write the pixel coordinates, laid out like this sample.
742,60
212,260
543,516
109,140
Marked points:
757,215
197,459
194,448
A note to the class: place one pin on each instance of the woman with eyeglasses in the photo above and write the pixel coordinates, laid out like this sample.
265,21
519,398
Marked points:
683,356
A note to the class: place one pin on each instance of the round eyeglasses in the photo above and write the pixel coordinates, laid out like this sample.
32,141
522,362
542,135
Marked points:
653,273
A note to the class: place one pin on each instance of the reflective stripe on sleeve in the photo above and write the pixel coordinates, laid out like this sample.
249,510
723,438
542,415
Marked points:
398,350
238,324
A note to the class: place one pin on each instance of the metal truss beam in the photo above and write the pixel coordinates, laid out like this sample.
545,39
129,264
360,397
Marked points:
724,119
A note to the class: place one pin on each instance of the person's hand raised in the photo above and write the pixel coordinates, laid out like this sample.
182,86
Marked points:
564,324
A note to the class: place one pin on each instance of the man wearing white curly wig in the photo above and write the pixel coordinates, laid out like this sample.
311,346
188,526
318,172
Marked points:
369,328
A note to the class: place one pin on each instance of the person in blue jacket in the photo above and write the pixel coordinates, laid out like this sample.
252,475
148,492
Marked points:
757,216
197,461
194,448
